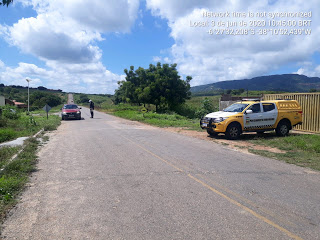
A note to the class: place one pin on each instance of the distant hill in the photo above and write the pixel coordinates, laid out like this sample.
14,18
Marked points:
285,82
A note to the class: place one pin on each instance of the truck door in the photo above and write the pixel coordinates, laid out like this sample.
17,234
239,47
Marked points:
270,114
253,120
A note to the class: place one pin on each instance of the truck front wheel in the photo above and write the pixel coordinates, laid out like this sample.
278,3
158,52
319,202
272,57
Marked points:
233,131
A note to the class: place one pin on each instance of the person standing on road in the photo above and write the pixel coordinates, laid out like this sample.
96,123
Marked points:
91,108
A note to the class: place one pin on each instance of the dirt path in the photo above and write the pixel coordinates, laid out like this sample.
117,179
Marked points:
242,145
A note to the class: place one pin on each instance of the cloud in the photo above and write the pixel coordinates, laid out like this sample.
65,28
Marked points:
156,59
65,35
210,58
86,78
49,38
309,69
102,16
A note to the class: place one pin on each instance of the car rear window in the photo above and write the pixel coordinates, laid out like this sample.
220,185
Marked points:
267,107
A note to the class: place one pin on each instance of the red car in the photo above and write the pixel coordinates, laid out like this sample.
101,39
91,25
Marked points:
71,111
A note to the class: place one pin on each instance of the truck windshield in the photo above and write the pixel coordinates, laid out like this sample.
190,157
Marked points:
237,107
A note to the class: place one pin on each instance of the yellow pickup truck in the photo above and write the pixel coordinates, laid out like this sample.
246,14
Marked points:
254,116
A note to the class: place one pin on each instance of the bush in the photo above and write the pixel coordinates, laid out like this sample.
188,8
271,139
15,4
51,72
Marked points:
3,122
207,107
84,98
186,111
40,99
10,112
7,134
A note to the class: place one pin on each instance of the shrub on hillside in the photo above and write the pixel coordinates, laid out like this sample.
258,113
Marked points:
3,122
40,99
10,112
7,134
185,110
206,107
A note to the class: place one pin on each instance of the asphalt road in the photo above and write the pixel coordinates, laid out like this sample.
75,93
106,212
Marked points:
109,178
70,98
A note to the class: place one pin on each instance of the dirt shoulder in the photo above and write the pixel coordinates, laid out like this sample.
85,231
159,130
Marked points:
241,145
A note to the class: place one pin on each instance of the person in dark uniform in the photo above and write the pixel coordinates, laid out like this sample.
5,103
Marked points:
91,108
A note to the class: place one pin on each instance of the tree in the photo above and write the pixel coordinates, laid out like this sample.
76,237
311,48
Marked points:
84,98
40,99
42,88
159,85
6,2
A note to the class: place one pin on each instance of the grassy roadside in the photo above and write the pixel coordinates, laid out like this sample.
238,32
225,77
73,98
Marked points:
26,126
159,120
299,149
14,175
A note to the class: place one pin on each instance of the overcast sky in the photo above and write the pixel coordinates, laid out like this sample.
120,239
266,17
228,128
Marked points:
84,46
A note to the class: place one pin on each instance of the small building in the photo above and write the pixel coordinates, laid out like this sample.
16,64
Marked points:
4,101
19,104
9,102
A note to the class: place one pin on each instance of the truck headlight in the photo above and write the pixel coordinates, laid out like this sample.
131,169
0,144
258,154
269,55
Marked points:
220,119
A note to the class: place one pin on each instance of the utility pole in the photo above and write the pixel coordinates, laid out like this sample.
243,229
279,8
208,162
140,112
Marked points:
28,80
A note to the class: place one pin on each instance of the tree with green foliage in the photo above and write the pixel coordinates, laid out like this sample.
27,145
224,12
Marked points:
206,107
40,99
6,2
84,98
159,85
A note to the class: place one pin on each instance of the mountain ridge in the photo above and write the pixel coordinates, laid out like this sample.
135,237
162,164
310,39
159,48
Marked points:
283,82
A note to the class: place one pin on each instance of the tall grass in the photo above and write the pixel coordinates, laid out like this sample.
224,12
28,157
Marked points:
160,120
27,126
302,149
15,174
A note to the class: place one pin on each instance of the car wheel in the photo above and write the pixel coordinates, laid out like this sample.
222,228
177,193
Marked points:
212,133
283,128
62,118
233,131
79,118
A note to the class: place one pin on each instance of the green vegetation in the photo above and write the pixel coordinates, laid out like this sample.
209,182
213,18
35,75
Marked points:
159,85
15,174
14,124
6,2
38,96
6,153
184,115
302,150
104,101
39,99
160,120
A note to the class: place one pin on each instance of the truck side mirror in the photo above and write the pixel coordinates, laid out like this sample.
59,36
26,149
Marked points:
249,111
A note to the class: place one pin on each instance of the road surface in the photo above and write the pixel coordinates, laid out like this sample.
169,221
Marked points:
70,98
109,178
